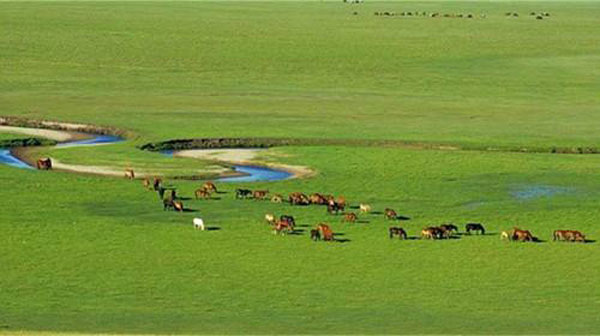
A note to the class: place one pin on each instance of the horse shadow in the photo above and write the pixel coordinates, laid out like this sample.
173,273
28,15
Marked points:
183,198
221,192
189,210
343,240
538,240
297,232
376,212
589,241
354,207
339,234
363,222
303,225
212,228
403,218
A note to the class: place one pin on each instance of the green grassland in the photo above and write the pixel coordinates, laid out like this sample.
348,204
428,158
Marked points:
95,254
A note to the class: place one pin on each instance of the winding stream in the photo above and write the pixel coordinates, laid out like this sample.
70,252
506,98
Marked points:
250,173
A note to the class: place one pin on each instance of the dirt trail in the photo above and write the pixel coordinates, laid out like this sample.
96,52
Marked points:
40,132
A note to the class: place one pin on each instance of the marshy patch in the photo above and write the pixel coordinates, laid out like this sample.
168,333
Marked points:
535,191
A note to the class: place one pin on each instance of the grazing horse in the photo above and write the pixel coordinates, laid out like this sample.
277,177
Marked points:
451,228
350,217
317,198
259,194
315,235
129,174
506,235
282,227
365,208
325,232
243,193
397,231
521,235
568,235
474,227
297,198
178,206
289,219
432,232
201,193
333,207
390,214
277,198
168,204
157,183
199,223
146,183
341,202
209,186
44,164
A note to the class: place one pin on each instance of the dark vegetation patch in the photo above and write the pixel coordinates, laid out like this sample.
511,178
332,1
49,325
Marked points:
27,142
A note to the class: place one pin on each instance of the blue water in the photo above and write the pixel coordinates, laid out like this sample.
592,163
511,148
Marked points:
536,191
251,173
8,159
98,140
256,173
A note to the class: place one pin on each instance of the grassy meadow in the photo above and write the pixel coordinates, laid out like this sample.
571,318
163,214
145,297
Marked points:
92,254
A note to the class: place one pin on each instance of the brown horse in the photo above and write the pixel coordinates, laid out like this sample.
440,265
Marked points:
390,213
209,186
521,235
129,174
259,194
317,198
568,235
451,228
282,227
290,219
146,183
201,193
178,206
44,164
397,231
297,198
325,232
350,217
432,232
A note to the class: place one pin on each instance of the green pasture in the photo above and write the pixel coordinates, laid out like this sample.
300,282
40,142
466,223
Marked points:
100,255
91,254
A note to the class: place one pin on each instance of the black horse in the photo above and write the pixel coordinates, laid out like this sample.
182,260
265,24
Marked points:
474,227
243,193
315,235
449,227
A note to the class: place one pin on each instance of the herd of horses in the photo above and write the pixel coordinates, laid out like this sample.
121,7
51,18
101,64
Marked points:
286,224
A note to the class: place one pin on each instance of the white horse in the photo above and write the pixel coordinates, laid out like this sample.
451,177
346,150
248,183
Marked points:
199,223
365,208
